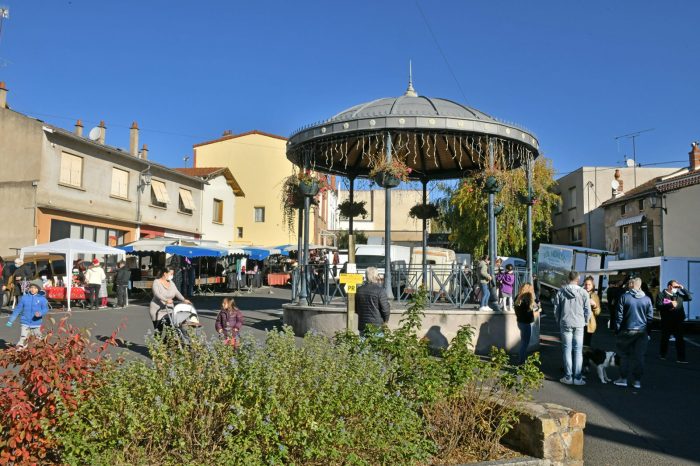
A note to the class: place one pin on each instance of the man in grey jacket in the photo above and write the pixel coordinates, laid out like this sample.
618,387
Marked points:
572,308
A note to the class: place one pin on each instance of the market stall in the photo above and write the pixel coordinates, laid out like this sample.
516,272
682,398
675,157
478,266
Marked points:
70,247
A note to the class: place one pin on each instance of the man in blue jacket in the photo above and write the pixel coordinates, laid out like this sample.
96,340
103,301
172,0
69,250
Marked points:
632,317
32,308
572,309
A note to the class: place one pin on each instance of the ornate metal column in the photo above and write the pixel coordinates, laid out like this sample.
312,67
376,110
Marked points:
387,227
530,195
492,216
425,235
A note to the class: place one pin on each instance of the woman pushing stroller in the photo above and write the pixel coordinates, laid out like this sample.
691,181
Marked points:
164,292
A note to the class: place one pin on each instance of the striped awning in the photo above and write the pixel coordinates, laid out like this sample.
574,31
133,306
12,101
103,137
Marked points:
630,220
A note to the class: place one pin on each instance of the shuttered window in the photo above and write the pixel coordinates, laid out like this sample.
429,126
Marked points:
186,203
120,183
71,170
159,195
218,216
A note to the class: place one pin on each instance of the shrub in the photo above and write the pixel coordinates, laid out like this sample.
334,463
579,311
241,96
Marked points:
54,371
468,403
277,403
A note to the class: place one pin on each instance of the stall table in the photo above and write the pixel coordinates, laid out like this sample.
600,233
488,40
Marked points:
277,279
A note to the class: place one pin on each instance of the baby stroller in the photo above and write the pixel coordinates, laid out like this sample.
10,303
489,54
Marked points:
182,319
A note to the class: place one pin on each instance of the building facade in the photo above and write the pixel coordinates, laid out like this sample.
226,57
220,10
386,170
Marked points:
579,219
259,162
59,184
218,202
404,229
659,217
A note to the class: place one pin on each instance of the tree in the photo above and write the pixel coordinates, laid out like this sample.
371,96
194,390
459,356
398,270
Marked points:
465,215
360,238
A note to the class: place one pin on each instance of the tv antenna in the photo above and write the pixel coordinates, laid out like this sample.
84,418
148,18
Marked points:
633,162
186,159
4,14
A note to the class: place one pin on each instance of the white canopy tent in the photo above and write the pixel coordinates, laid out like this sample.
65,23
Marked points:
70,247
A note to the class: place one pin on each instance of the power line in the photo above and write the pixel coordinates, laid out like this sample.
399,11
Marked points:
617,168
444,57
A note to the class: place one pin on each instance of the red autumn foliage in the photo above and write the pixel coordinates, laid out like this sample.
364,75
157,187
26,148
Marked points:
56,368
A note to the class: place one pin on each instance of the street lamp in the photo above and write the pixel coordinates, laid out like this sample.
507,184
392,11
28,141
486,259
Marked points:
145,178
657,203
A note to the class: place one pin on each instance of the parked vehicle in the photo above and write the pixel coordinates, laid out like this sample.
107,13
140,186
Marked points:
439,262
38,266
656,272
554,262
372,255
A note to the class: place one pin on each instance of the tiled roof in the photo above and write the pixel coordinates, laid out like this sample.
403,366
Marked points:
644,188
689,179
234,136
200,171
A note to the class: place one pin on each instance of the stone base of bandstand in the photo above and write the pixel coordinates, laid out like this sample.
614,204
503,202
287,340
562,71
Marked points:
440,324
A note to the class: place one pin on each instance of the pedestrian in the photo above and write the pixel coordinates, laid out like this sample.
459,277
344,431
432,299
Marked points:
526,309
590,328
484,280
571,310
164,292
336,262
32,307
121,281
229,322
7,280
102,294
669,303
371,302
93,281
632,317
506,283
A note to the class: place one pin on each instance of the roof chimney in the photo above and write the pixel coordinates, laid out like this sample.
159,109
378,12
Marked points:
144,152
134,139
227,132
79,128
3,95
620,184
103,132
695,156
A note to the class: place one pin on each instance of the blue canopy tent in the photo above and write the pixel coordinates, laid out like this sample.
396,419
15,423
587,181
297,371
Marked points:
195,251
260,253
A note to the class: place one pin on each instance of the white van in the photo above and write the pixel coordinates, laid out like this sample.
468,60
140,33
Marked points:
372,255
439,261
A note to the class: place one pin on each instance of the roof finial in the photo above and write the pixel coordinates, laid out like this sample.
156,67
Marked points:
410,91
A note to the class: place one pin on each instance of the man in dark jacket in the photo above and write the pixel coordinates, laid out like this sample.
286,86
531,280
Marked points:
670,305
122,282
371,302
632,317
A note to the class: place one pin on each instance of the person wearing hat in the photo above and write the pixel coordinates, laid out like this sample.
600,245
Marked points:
93,281
32,308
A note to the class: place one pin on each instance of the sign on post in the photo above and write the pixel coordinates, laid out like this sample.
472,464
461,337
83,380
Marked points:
351,280
351,288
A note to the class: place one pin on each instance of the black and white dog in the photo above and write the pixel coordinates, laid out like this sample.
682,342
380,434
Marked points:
600,360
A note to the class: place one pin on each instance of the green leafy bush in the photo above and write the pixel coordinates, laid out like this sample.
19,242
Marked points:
277,403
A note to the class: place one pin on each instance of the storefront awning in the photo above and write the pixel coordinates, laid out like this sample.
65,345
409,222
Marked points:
630,220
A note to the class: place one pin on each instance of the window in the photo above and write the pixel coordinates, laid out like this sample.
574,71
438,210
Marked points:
61,230
159,194
71,170
625,208
240,232
641,205
558,207
260,214
572,198
186,204
576,234
120,183
218,216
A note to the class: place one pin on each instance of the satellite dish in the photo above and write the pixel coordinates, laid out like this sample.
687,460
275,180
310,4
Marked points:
630,163
615,184
94,134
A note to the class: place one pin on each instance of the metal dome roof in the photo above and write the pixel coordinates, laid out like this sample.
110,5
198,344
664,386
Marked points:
407,105
445,139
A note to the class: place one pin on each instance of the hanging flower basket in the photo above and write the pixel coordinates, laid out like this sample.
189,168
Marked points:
390,174
309,189
352,209
424,211
387,180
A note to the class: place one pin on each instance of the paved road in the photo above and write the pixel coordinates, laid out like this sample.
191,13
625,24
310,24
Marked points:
655,425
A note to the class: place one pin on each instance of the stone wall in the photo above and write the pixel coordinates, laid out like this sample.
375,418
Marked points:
550,432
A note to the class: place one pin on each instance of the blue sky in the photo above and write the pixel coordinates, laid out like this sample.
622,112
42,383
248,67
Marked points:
576,73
